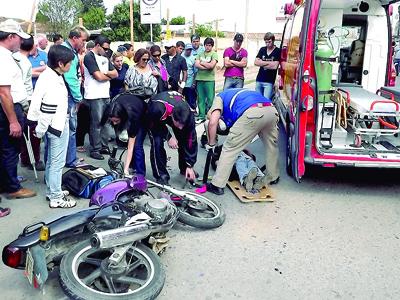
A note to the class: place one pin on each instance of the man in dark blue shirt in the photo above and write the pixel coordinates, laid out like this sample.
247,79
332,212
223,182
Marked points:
246,114
176,65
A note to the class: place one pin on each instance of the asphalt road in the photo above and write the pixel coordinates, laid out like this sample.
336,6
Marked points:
336,235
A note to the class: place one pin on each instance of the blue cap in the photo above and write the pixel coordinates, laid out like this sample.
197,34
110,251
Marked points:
188,46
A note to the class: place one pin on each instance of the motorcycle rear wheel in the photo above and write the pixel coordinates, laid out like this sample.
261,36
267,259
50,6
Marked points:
204,214
86,274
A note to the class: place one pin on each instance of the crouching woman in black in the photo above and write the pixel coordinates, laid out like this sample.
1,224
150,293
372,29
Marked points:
169,108
127,112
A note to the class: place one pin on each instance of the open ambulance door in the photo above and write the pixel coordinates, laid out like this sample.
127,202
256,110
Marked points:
303,83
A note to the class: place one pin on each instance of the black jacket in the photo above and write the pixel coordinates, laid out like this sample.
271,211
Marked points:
159,115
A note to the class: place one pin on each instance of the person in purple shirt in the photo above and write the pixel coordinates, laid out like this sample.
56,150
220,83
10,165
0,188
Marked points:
235,60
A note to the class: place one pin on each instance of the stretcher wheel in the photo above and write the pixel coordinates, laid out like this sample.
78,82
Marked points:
357,140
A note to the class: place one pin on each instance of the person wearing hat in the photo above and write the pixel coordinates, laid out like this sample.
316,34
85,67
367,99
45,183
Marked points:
12,92
268,61
176,67
235,60
189,91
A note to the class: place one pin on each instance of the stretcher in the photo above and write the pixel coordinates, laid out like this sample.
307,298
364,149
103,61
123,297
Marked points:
369,115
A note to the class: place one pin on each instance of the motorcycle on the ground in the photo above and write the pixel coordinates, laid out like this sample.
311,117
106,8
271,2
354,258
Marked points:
195,210
100,251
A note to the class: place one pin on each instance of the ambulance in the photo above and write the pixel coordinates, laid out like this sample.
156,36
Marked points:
334,96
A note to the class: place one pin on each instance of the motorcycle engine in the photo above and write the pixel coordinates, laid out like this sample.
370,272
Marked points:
157,209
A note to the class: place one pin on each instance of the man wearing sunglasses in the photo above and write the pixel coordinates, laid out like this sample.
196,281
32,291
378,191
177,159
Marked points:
98,73
176,67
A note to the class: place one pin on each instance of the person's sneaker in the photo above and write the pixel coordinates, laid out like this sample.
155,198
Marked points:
214,189
4,211
65,194
105,150
40,166
63,202
248,180
22,193
96,155
259,183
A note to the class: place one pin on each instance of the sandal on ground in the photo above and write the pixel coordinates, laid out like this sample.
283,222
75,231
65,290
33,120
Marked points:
81,149
4,212
62,202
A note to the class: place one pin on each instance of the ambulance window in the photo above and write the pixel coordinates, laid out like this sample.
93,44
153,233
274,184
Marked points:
294,44
286,38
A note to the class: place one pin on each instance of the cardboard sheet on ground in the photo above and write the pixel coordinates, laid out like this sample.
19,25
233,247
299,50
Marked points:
265,195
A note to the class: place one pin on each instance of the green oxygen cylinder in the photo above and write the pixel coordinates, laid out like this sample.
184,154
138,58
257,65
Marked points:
323,67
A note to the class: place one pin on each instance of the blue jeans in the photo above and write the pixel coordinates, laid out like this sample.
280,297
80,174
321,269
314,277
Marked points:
56,154
264,88
73,120
138,162
233,82
244,164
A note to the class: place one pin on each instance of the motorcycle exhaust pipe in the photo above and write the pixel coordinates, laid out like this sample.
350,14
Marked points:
119,236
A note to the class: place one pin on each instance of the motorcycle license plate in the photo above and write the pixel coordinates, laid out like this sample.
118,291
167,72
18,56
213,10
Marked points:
29,263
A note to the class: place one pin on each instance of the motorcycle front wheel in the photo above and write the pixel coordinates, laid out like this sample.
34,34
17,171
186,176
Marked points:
86,273
202,213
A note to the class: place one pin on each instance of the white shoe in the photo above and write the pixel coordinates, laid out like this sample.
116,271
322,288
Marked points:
65,194
63,202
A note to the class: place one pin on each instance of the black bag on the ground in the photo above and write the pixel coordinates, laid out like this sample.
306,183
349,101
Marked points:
82,184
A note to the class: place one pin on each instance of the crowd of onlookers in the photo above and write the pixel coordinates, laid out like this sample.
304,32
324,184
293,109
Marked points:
61,93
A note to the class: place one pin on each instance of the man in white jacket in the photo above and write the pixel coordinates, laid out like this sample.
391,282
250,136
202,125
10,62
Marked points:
48,111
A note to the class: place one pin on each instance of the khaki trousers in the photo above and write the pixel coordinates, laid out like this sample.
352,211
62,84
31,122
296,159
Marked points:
255,120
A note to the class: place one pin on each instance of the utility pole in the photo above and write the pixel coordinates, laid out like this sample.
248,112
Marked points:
246,21
168,35
33,17
131,18
193,25
216,33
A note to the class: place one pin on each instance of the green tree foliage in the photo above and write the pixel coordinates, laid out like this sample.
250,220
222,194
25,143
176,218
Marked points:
94,18
61,14
88,4
206,30
178,21
120,25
